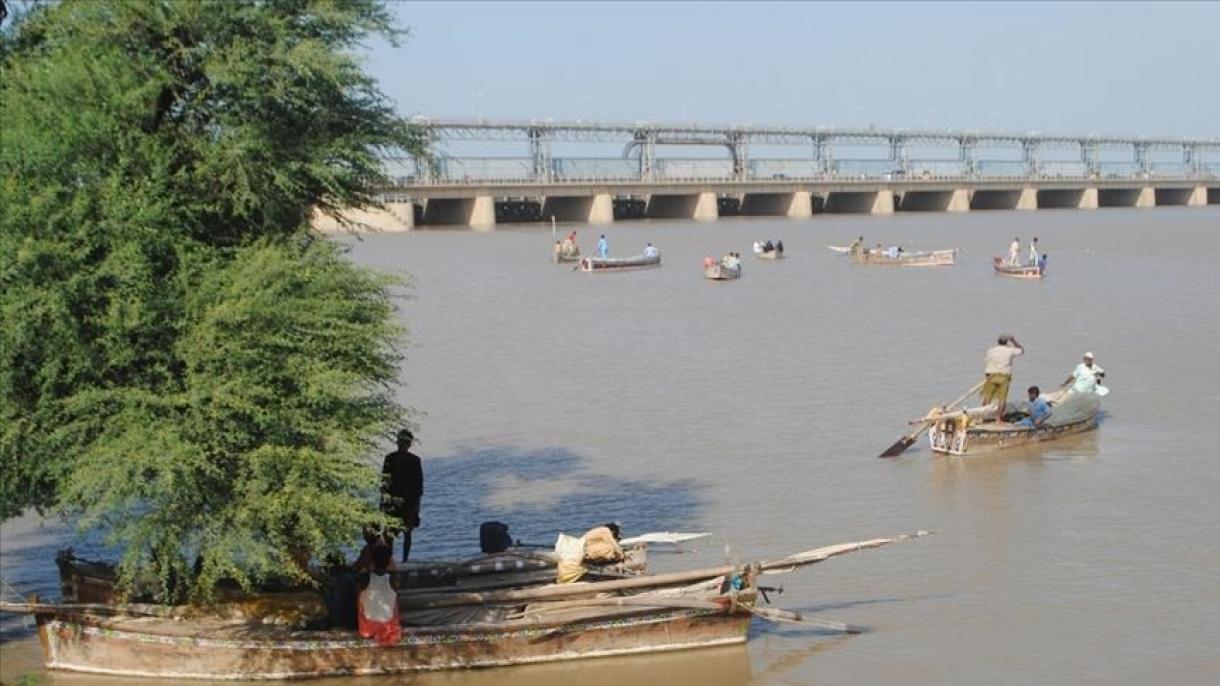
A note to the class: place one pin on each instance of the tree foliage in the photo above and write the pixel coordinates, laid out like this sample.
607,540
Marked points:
181,364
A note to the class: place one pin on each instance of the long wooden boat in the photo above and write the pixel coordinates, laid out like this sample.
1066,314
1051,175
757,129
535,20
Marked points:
649,614
770,255
618,264
972,431
933,258
1003,268
719,272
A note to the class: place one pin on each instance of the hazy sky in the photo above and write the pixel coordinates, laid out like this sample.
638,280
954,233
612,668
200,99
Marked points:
1091,67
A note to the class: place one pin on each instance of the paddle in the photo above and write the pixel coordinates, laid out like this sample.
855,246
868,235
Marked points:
906,441
774,614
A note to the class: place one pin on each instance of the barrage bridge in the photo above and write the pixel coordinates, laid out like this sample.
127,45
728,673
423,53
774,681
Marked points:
778,171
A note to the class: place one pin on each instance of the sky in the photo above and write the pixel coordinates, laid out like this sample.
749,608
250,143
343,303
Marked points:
1125,68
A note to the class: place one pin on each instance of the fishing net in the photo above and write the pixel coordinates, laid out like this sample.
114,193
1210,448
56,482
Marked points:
1066,408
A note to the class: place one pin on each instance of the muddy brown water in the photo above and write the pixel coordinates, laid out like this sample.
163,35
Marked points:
755,409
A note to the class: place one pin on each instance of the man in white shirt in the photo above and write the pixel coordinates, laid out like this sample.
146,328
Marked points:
650,251
1014,252
1085,376
997,366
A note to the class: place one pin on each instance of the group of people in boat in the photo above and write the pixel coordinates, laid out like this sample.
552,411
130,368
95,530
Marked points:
997,371
569,250
1036,257
761,247
859,248
731,260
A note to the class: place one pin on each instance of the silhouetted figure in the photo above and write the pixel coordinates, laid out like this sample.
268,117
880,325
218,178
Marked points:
402,486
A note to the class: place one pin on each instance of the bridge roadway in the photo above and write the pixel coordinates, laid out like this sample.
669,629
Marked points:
478,203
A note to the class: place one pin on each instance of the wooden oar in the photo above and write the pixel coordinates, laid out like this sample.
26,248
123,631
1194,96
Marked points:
906,441
774,614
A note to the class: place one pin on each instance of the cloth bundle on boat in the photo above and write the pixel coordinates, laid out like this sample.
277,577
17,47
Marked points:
597,546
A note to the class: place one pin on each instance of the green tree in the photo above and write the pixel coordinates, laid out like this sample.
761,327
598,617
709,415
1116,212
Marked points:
181,365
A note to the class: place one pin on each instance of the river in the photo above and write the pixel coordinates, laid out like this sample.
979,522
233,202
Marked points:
755,409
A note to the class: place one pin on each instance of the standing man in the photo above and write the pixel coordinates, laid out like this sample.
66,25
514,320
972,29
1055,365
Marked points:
402,485
603,248
1033,252
1014,252
997,365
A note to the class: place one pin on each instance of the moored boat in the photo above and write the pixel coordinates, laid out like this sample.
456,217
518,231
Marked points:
681,610
932,258
1003,268
612,264
973,431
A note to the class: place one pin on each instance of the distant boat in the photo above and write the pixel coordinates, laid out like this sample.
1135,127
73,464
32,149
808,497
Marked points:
1019,272
841,250
619,264
934,258
717,271
566,252
770,255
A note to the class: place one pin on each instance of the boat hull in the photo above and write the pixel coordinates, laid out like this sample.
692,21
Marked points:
123,648
770,255
935,258
618,264
1004,269
719,272
946,440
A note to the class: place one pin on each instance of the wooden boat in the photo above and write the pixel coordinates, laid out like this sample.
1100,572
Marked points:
619,264
647,614
840,250
717,271
1020,272
934,258
972,431
770,255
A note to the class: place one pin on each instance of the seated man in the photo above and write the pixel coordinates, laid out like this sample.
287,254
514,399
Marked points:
1039,410
650,251
779,247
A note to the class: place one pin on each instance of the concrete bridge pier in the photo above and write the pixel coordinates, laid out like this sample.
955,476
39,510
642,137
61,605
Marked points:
797,205
590,209
1179,196
478,212
696,206
1198,197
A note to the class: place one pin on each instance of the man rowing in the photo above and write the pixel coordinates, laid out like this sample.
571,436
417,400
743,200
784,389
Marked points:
997,367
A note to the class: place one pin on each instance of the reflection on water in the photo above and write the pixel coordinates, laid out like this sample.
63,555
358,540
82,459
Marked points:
755,409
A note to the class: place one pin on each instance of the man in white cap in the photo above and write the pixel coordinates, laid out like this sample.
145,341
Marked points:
1085,376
